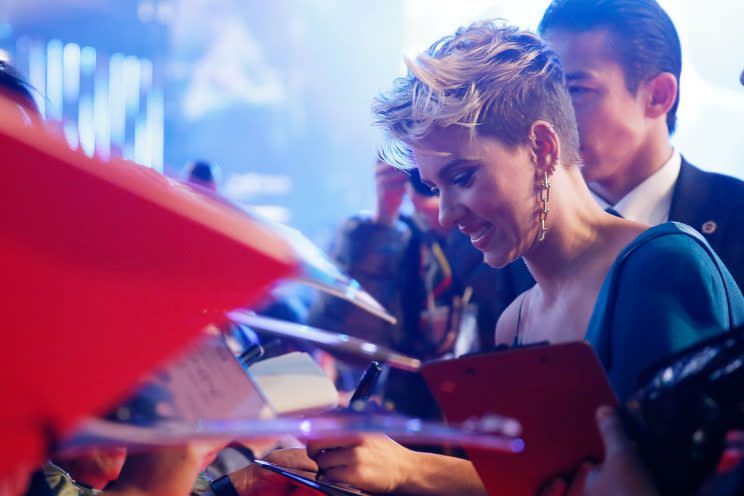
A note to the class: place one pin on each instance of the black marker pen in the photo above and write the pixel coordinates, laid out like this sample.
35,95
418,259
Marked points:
366,384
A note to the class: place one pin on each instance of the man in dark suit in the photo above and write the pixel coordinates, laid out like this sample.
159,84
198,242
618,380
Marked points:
712,204
623,61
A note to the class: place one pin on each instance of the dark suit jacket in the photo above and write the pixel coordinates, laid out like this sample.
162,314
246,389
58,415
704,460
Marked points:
711,203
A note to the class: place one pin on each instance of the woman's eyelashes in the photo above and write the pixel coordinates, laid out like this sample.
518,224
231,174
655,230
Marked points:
463,179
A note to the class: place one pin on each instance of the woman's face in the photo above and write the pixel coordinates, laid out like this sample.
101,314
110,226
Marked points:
486,189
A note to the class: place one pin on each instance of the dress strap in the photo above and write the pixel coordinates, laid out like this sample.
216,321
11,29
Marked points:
516,343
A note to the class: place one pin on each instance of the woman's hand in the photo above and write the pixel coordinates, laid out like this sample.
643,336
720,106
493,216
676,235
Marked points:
621,474
373,463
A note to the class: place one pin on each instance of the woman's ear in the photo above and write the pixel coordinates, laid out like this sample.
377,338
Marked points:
662,93
544,146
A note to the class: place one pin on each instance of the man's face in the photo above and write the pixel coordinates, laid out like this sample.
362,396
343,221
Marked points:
611,120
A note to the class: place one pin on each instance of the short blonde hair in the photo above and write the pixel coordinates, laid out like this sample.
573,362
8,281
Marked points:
489,78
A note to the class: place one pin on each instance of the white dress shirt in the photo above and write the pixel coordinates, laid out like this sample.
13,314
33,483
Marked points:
649,202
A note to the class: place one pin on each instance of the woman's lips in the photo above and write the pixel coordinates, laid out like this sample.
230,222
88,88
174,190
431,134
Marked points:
480,238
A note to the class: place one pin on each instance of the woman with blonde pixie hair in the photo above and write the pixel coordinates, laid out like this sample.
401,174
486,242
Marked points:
485,117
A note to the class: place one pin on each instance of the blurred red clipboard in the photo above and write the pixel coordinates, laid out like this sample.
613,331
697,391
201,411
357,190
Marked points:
108,269
552,390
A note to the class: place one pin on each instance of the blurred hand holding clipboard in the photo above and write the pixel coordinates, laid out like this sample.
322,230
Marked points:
552,390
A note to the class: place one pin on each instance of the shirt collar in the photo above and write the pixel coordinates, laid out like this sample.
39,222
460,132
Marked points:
649,202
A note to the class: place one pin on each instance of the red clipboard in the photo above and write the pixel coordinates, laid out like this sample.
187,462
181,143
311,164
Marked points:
108,268
552,390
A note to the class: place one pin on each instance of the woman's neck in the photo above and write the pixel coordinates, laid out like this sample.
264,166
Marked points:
575,226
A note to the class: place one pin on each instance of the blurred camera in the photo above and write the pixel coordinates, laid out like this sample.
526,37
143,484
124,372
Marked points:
680,417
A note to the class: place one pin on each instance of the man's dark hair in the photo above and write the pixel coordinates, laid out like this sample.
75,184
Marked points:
12,81
645,39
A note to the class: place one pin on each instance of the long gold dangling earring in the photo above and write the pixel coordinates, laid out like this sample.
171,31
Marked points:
544,199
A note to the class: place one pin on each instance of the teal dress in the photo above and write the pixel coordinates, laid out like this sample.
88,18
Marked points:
667,290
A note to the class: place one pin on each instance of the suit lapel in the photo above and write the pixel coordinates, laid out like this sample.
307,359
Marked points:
693,203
